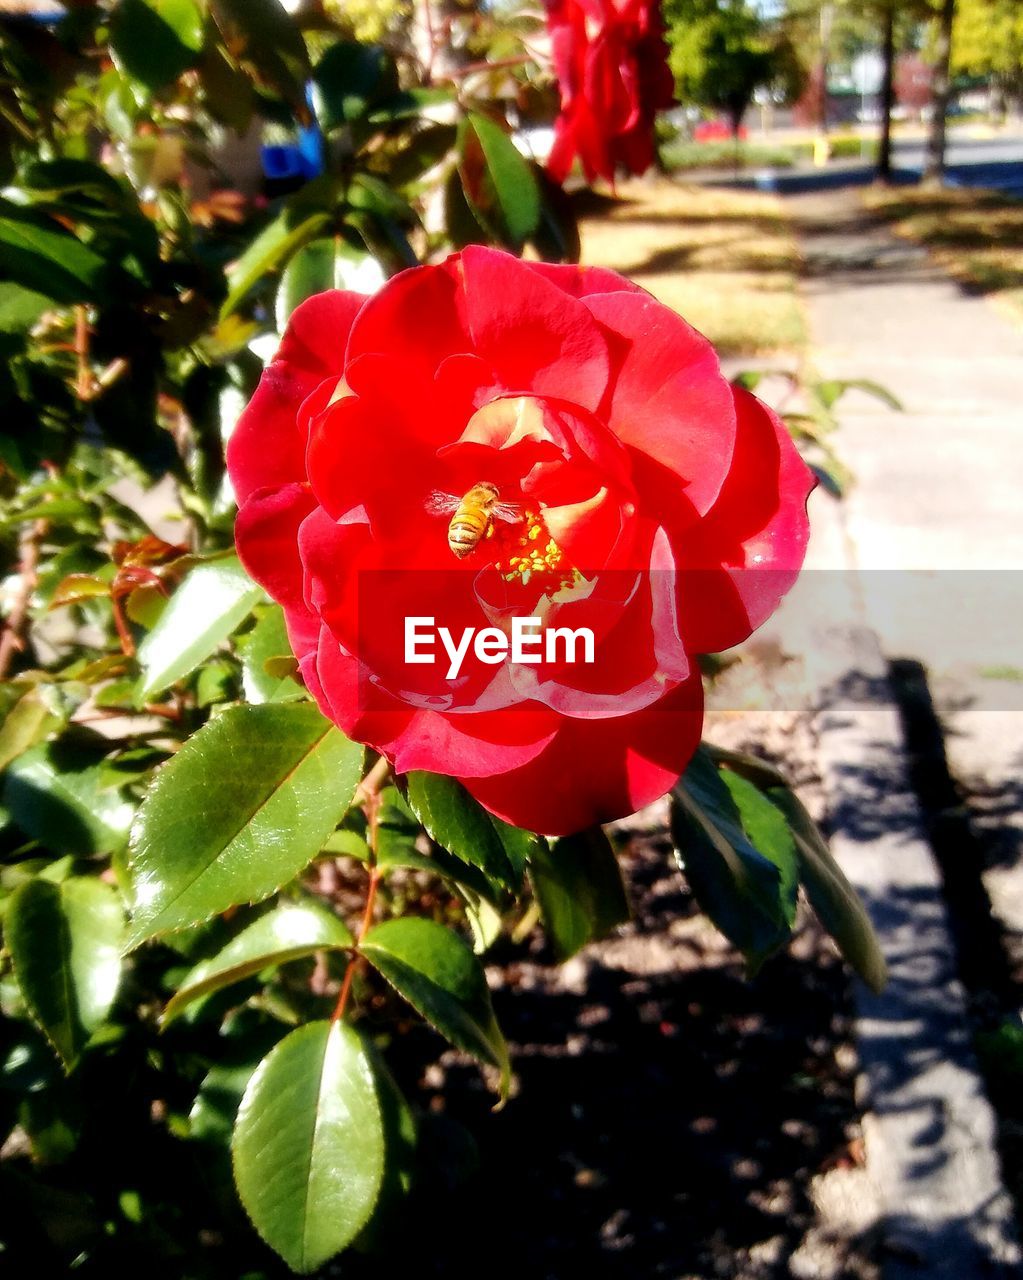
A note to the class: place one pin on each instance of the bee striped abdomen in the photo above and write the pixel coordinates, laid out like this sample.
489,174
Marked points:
471,521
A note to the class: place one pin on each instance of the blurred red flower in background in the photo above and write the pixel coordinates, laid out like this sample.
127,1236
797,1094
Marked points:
650,501
610,59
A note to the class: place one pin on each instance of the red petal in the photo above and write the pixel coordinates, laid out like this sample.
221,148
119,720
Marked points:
669,398
267,446
598,770
580,282
317,334
758,529
467,745
417,315
536,337
266,533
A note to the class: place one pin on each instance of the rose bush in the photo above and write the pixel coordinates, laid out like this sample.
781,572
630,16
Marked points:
651,501
610,59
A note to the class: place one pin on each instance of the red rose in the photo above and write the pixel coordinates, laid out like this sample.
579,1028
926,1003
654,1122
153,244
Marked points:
646,499
610,59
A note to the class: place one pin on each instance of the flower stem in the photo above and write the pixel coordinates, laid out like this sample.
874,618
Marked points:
368,795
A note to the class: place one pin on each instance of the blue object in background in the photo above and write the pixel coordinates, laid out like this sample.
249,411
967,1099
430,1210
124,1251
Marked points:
292,161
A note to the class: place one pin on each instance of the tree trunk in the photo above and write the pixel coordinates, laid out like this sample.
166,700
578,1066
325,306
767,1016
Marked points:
934,166
884,154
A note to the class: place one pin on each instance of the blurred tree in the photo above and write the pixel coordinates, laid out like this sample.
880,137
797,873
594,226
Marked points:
941,87
722,51
987,40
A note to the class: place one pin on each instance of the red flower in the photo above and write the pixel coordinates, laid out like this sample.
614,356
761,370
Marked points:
610,59
648,500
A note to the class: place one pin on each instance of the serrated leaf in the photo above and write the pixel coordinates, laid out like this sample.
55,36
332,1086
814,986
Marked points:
437,973
241,809
498,182
269,253
56,796
267,641
831,895
65,946
203,611
290,931
461,825
579,890
41,255
738,887
308,1144
262,34
328,263
154,41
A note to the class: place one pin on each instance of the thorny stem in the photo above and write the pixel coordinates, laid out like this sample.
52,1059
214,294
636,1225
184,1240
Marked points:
368,795
123,633
83,378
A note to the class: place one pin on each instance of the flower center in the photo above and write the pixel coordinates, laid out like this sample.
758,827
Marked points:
530,552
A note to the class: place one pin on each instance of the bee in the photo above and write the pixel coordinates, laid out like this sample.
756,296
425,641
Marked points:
472,516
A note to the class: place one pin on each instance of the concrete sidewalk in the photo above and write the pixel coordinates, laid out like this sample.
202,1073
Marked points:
940,487
929,548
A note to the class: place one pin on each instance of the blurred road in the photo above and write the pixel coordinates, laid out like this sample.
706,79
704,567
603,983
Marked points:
971,161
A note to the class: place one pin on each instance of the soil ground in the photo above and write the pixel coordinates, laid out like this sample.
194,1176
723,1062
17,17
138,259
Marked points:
670,1118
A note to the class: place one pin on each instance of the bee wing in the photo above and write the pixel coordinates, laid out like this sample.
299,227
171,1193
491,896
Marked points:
507,512
441,504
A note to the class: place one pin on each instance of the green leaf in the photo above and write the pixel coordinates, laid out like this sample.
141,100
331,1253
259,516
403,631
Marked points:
267,640
269,252
498,182
769,834
215,1108
204,610
55,794
241,809
461,825
154,41
308,1144
20,308
65,945
228,93
290,931
740,888
831,895
348,80
410,102
875,389
460,222
329,263
27,722
439,976
556,237
260,33
578,887
426,148
41,255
